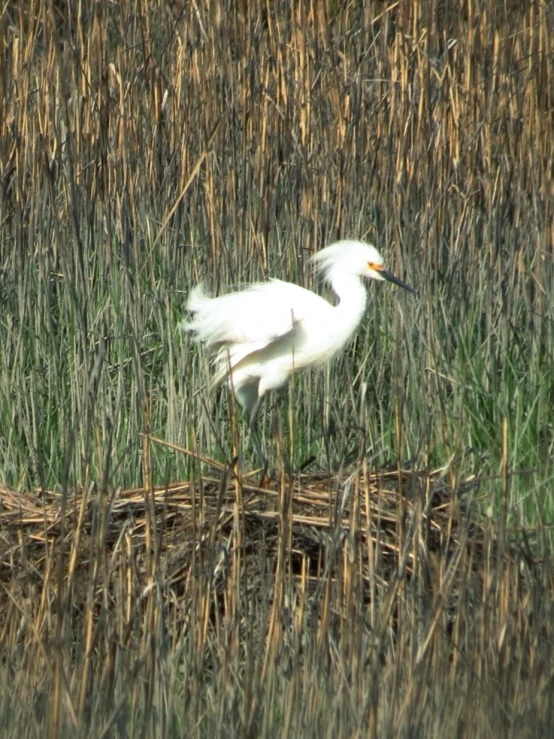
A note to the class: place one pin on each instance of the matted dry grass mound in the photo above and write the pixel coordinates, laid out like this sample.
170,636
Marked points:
388,587
387,523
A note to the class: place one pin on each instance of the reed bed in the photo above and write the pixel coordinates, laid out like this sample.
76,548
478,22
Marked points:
173,605
145,146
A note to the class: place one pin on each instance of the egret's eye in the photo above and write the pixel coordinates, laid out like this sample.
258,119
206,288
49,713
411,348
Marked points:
376,267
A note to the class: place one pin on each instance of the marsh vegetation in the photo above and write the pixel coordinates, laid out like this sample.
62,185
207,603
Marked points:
402,585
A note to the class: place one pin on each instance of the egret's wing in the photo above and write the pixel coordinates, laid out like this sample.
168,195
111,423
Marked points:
265,317
255,316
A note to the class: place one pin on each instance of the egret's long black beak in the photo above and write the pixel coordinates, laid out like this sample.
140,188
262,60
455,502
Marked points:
391,278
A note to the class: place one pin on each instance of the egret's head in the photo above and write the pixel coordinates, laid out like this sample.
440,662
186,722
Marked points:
354,258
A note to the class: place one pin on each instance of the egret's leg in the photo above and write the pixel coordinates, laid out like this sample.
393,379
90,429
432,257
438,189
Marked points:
254,433
247,395
279,439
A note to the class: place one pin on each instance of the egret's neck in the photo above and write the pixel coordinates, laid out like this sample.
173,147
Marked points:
352,299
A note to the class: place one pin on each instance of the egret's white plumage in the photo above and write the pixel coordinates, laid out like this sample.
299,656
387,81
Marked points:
271,329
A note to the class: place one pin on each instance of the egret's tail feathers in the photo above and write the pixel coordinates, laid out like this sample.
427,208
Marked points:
221,364
197,298
225,361
238,361
196,301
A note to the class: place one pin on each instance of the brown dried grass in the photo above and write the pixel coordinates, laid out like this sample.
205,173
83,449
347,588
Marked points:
227,573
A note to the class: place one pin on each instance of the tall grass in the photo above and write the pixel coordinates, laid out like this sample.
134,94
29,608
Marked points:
145,146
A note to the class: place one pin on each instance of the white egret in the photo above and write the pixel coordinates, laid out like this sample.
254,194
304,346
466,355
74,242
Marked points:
262,334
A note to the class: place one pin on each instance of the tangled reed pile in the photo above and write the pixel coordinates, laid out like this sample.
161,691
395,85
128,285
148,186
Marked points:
115,602
388,524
